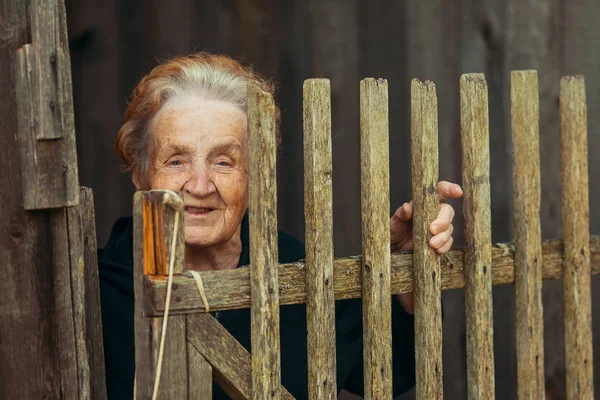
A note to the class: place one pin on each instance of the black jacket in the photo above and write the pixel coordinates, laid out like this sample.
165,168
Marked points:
116,289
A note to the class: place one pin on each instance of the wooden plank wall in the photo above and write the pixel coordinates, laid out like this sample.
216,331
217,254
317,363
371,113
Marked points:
114,44
23,237
49,347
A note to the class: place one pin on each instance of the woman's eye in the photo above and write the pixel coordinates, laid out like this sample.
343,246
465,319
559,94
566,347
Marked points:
175,163
223,164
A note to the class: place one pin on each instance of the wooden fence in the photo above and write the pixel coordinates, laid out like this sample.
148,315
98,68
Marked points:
197,348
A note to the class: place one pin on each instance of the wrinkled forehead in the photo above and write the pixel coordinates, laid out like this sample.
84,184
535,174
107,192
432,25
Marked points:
196,120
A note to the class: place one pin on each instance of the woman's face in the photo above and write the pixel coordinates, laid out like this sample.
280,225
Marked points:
200,147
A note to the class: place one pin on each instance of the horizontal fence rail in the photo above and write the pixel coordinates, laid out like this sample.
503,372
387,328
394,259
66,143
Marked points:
228,290
212,353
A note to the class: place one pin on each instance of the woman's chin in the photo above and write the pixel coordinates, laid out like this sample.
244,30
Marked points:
202,236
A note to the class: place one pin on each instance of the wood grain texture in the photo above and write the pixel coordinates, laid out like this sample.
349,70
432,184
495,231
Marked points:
375,213
576,236
266,363
231,362
92,313
77,268
29,368
528,240
153,216
200,375
478,235
427,271
318,212
85,294
64,253
46,134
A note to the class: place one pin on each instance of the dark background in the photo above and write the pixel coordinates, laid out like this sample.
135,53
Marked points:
115,42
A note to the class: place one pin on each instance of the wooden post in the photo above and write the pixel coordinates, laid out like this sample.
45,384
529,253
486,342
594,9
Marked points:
427,272
576,235
318,214
266,363
154,214
375,212
478,235
528,241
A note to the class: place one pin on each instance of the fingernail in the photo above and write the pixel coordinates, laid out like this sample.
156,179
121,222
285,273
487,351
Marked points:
434,228
435,242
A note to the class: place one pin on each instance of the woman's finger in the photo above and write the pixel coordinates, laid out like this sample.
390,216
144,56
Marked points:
439,241
445,247
404,212
448,190
443,220
407,302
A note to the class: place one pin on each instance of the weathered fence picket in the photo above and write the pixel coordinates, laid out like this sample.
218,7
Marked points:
266,362
375,213
478,236
576,236
318,214
528,238
426,263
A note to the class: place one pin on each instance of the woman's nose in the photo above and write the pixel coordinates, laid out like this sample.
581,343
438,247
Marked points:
200,183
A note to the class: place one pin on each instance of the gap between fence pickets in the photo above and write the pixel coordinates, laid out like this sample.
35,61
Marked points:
226,290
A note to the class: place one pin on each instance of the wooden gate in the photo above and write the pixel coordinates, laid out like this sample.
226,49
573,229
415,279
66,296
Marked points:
196,348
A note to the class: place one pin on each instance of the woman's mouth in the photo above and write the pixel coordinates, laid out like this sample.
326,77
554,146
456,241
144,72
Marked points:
198,211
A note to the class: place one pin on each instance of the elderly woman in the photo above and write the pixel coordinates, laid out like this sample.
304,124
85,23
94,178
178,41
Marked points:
186,129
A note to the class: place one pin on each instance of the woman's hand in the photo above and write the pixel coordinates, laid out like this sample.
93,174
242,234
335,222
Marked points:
441,229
